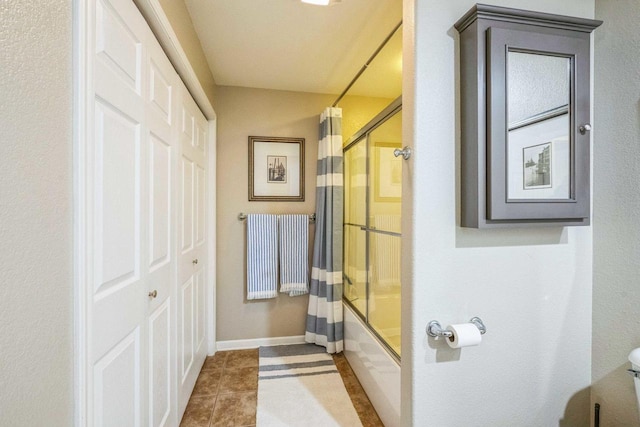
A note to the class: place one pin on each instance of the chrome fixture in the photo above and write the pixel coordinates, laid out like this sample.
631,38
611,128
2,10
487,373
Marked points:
153,294
434,329
405,152
584,128
195,261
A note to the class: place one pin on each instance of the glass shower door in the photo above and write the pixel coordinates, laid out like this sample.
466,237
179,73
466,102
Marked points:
385,205
372,227
355,218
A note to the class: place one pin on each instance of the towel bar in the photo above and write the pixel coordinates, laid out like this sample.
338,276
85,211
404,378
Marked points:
243,216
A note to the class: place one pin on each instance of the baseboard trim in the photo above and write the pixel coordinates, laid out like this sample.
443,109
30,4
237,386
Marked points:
258,342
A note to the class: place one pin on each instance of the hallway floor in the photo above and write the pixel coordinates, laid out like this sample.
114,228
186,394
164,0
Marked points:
227,387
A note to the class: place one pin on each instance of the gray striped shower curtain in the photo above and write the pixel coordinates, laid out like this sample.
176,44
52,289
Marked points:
324,317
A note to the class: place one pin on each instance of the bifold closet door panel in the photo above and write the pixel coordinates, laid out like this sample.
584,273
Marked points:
132,377
115,165
192,245
162,143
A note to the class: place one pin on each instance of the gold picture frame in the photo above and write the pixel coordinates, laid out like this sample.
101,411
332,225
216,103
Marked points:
276,169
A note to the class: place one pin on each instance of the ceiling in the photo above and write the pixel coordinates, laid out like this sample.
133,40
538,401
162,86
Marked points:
290,45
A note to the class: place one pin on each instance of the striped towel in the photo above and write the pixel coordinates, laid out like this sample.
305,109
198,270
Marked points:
262,256
294,254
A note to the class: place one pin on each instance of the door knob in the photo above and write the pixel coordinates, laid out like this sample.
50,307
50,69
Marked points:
195,261
153,294
405,152
584,128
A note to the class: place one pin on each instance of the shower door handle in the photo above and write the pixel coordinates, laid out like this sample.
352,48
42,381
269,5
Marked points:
378,231
405,153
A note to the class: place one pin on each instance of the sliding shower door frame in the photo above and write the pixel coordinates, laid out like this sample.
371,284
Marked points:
363,136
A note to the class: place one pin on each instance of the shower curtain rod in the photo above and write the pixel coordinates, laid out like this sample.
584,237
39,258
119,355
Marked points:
364,67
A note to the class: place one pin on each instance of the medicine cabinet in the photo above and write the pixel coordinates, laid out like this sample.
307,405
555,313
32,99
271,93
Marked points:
525,115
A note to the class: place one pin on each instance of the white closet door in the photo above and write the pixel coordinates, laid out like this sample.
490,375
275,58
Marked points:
192,248
162,145
144,164
116,159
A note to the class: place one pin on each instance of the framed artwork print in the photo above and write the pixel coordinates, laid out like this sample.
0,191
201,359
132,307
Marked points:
388,173
276,169
538,160
537,166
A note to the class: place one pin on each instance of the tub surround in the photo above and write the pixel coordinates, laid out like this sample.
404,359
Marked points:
376,369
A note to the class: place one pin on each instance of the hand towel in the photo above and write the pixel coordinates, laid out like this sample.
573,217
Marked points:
262,256
294,254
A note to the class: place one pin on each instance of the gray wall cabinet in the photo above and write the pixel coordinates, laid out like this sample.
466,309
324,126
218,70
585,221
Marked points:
525,116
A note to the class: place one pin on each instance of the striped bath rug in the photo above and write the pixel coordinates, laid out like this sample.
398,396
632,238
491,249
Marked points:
299,385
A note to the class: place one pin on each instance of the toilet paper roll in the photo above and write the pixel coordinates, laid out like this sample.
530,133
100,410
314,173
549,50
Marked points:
464,335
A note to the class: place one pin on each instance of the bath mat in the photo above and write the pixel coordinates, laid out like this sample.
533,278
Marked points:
299,385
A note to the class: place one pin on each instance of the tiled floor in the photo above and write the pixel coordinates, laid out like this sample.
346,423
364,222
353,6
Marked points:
227,388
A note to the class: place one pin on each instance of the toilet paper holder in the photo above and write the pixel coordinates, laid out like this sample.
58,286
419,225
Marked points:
434,329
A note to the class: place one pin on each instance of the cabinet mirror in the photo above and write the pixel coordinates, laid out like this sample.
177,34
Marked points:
538,126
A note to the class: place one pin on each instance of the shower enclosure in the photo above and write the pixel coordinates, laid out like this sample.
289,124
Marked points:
372,128
372,232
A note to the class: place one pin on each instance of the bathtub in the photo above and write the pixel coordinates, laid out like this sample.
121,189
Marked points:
376,369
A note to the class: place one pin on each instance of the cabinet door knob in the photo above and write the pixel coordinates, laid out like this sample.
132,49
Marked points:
584,128
195,261
153,294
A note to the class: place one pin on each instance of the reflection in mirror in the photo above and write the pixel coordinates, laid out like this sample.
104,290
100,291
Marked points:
538,117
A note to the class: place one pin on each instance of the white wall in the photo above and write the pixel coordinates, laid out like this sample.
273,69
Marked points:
532,287
616,204
36,346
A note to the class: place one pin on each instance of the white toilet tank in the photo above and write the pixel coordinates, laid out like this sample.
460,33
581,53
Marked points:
634,358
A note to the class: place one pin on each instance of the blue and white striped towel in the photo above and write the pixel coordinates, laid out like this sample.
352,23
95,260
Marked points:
262,256
294,254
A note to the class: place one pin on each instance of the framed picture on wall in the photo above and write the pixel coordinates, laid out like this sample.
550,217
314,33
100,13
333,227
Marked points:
387,183
276,169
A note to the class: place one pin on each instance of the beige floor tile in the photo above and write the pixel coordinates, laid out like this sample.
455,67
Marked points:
207,383
242,359
216,361
235,409
198,412
239,379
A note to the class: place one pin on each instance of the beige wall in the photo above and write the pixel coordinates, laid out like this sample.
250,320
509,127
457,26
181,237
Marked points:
36,277
616,203
180,20
243,112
